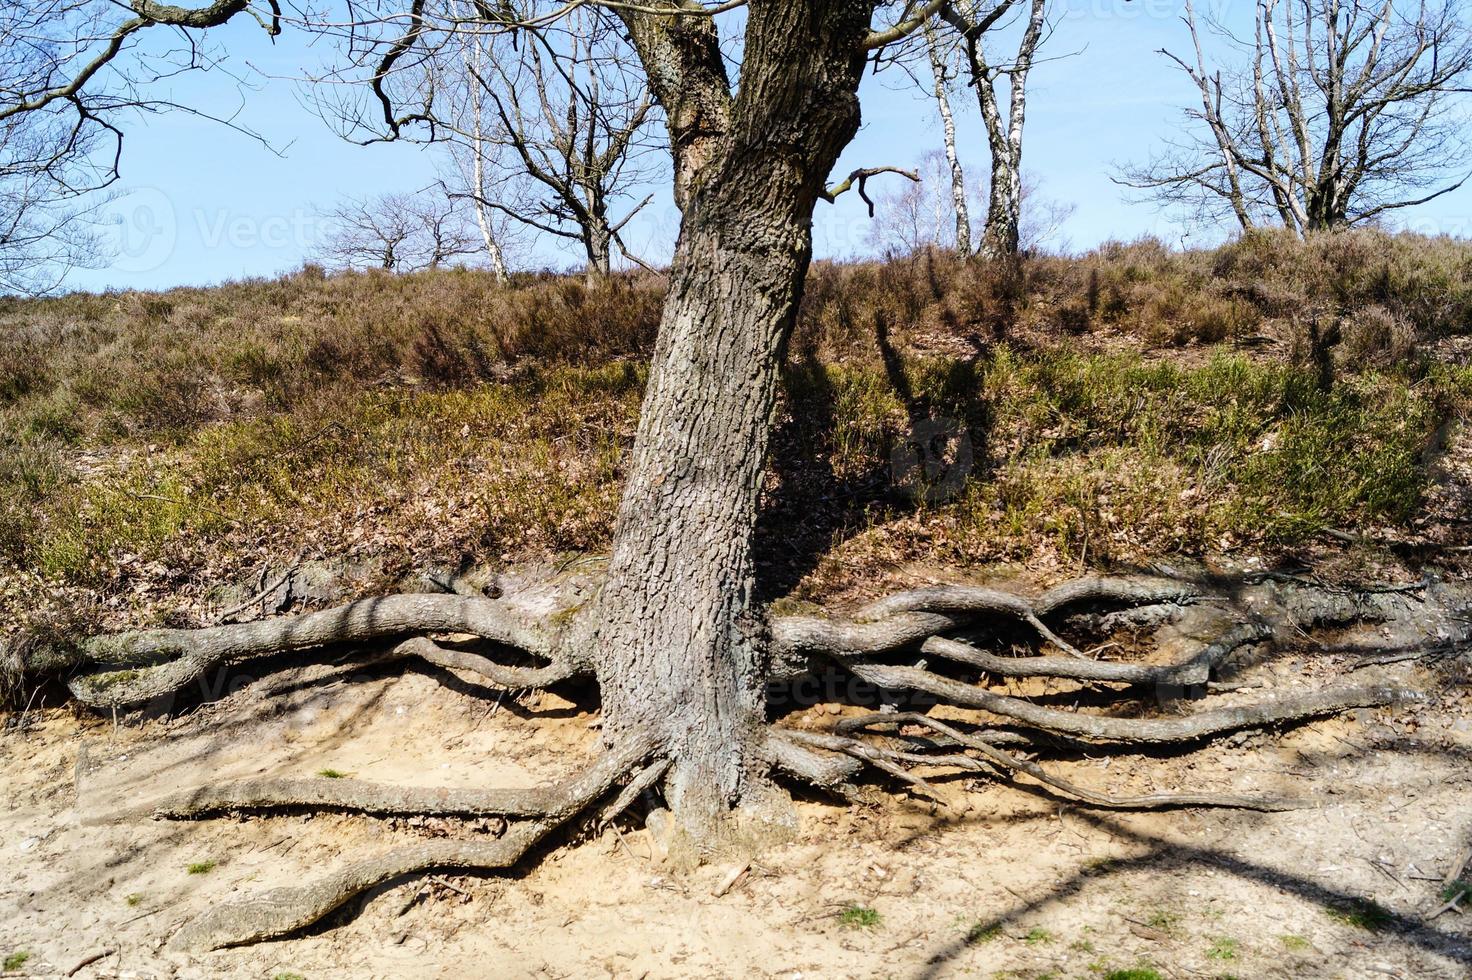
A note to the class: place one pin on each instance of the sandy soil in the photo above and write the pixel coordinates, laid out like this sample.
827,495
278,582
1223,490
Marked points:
1007,882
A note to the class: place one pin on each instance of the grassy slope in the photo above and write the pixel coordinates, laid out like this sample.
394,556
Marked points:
1133,402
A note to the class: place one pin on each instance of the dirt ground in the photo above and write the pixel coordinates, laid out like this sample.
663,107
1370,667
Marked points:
1005,882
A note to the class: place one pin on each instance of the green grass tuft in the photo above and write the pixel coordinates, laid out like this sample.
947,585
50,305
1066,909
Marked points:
1362,914
333,774
1223,948
859,917
202,867
983,932
16,960
1164,921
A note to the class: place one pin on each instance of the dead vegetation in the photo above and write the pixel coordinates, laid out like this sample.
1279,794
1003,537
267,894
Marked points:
1131,403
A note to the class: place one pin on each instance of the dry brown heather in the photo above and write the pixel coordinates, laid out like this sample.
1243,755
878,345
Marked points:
1134,402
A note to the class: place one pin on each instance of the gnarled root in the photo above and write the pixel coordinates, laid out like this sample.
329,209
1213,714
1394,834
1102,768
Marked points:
891,644
1012,763
1102,728
156,663
881,642
285,910
1195,670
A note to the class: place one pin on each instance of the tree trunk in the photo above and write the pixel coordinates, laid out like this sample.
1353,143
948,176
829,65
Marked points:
1002,234
681,651
493,247
948,123
474,56
598,244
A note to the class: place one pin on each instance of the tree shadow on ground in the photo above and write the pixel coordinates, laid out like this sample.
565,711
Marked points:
1164,855
812,507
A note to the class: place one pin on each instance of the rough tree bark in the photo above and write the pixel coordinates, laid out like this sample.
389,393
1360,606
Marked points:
680,649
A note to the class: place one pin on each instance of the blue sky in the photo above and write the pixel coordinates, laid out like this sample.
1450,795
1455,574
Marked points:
200,203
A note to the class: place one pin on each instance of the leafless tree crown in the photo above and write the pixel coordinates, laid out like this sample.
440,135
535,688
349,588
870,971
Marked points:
1334,112
398,232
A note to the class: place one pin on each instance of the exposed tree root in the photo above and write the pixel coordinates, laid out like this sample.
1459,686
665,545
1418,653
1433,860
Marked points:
281,911
887,644
284,910
157,663
1107,729
510,678
358,796
1006,760
1192,671
798,639
821,769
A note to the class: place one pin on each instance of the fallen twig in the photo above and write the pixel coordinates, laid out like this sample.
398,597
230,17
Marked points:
259,596
89,959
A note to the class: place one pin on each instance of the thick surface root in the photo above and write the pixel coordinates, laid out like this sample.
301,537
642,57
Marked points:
891,644
1012,763
358,796
284,910
157,663
1195,670
1101,728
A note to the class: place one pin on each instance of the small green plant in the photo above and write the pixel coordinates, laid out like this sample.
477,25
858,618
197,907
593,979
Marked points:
286,975
1362,913
1081,946
1457,889
1164,921
1137,973
1037,935
133,899
1222,948
332,774
202,867
1295,943
859,917
16,960
983,932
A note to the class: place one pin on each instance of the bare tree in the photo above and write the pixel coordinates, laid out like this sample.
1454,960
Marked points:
1336,113
687,663
972,21
958,36
468,177
942,78
478,170
397,232
1043,218
49,196
923,213
553,121
52,160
